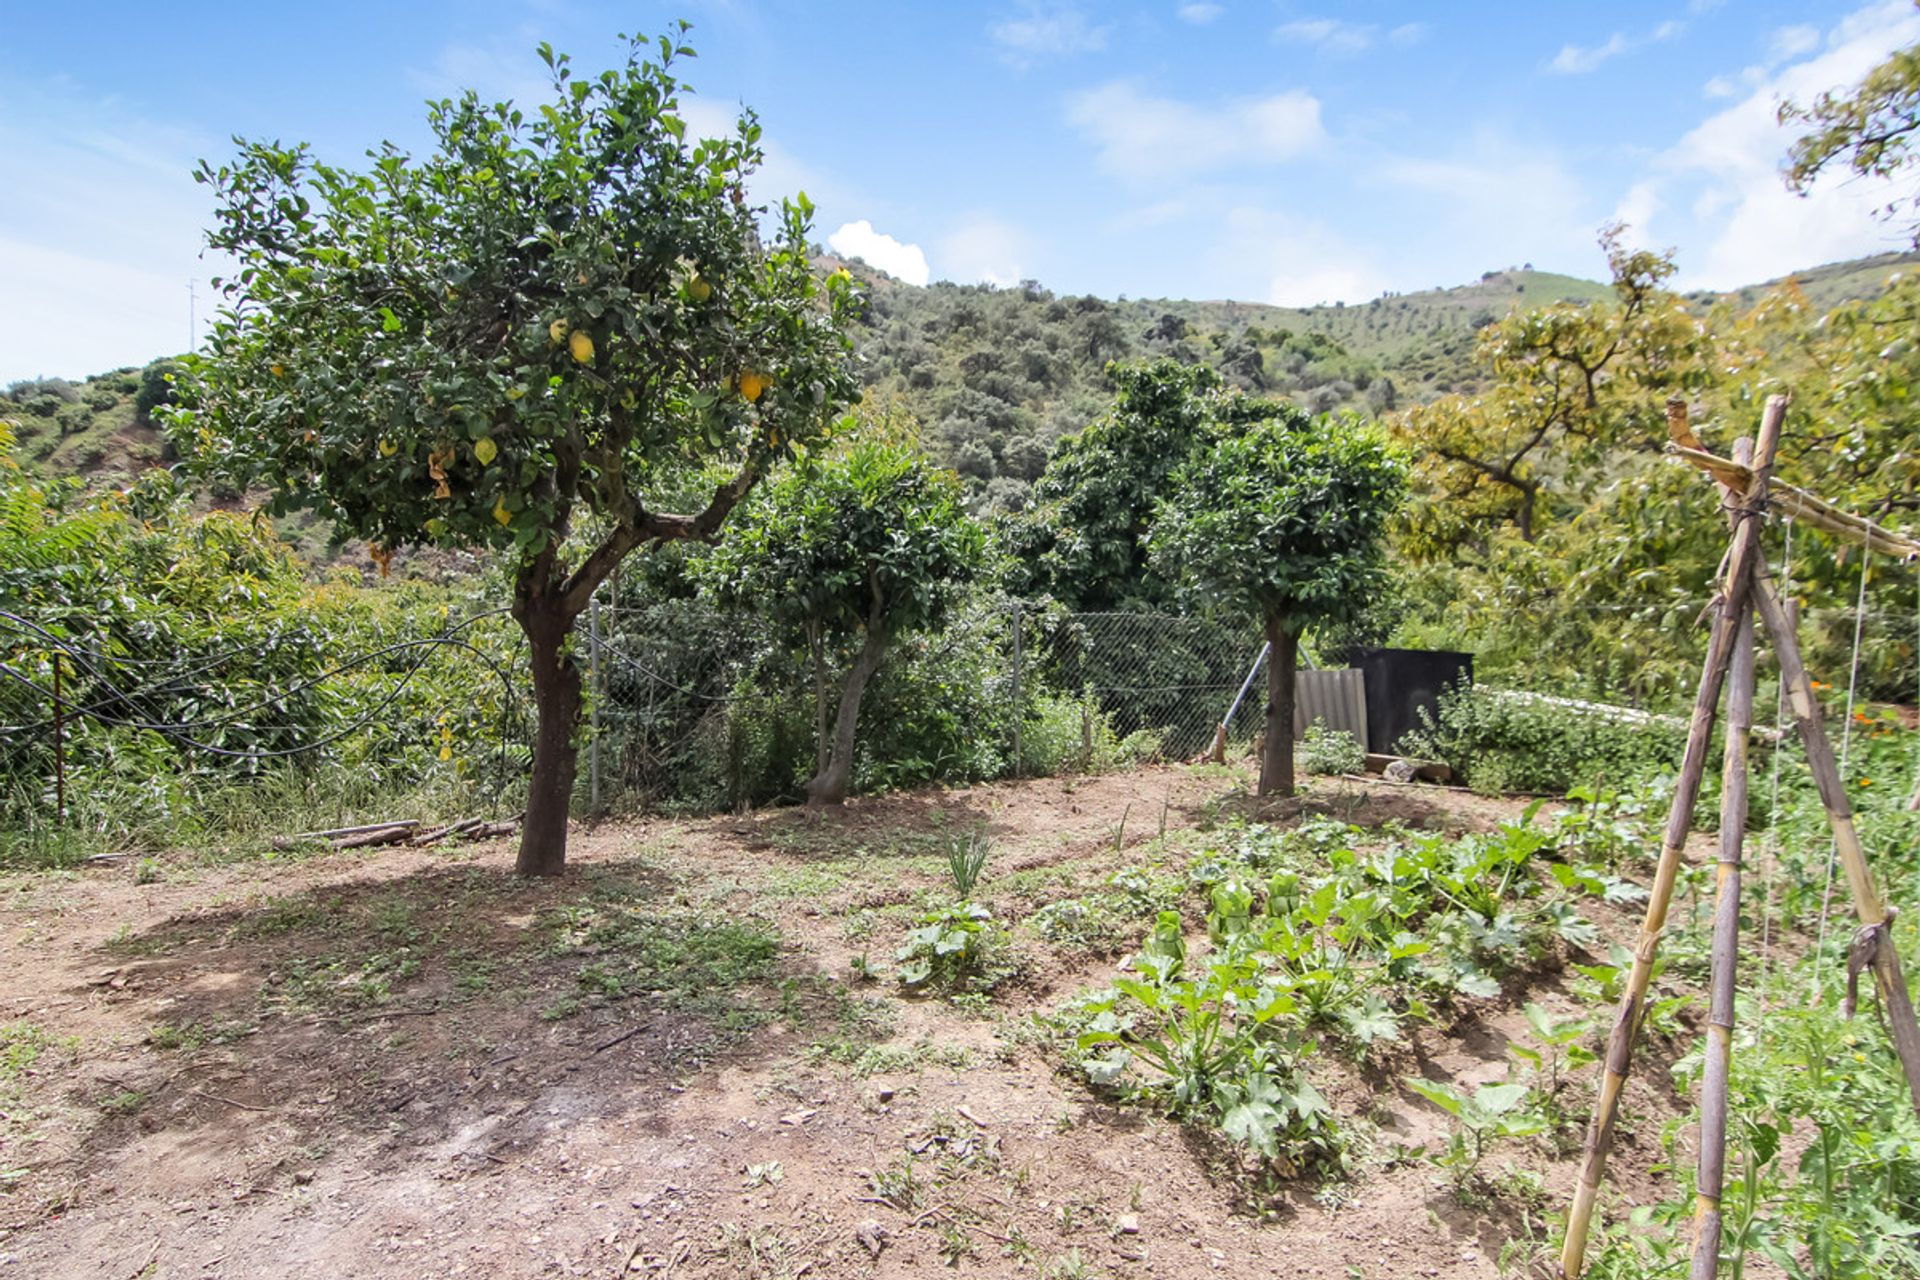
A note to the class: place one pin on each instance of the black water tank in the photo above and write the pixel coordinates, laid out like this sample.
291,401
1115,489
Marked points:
1402,681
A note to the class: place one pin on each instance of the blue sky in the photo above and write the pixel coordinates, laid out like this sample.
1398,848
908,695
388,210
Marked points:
1257,149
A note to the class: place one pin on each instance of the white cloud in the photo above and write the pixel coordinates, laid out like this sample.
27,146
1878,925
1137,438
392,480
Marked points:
1408,33
985,250
1576,60
900,260
1046,31
1143,137
1720,87
1330,35
1200,14
1725,172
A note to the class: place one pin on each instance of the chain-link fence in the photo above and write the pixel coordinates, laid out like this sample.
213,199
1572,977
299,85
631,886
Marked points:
701,707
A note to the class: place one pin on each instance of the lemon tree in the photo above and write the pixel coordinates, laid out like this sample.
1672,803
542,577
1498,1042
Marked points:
512,341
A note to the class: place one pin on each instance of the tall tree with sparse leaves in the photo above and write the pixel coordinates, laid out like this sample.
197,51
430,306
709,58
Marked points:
1871,129
1286,518
512,342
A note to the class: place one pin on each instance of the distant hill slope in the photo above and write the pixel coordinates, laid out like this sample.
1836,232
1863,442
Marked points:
997,375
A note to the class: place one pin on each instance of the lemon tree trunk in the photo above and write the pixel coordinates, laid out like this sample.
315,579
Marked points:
556,700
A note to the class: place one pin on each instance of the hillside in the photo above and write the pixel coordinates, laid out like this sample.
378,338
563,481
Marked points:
998,375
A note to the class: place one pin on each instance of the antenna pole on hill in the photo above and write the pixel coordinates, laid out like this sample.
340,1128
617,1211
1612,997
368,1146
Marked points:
193,324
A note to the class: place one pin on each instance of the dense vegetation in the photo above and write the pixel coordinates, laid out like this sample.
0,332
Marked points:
589,333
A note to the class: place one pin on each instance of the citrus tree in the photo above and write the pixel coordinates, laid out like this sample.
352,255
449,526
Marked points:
1286,517
851,550
511,342
1083,541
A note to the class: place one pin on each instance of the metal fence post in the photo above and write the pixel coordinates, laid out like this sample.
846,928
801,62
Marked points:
593,676
59,744
1017,709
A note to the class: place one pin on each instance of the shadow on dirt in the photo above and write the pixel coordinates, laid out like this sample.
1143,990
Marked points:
461,1013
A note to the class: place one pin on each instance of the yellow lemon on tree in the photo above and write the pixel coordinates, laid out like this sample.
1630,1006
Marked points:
753,384
500,511
582,347
485,449
558,331
699,290
387,449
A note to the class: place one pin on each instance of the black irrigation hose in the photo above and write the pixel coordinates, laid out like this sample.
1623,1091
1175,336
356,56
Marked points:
178,732
25,626
657,678
176,681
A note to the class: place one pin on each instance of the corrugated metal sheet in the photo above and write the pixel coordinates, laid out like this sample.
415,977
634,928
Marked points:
1337,696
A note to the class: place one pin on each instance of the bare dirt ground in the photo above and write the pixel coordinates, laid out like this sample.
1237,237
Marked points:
406,1063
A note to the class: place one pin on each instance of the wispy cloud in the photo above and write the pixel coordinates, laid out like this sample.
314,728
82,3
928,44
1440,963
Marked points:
986,250
1145,137
1289,260
1473,195
1200,14
1331,35
96,252
1576,60
1339,36
1046,31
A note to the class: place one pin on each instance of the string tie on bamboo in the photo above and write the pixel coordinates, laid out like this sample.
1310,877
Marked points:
1866,944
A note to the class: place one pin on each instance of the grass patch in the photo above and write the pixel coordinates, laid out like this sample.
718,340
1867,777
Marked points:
691,963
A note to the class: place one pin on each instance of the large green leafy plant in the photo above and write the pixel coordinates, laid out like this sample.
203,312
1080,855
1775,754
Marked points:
1286,518
514,342
850,549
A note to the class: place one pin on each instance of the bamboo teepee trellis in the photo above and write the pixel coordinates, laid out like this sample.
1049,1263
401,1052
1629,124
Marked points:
1746,490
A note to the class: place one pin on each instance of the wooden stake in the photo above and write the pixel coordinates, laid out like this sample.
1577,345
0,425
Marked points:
1726,942
1872,912
1733,604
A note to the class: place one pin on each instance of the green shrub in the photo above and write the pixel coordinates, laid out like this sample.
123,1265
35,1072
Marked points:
1500,743
1332,751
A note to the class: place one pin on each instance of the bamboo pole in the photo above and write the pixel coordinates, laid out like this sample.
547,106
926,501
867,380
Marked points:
1868,906
1726,943
1733,603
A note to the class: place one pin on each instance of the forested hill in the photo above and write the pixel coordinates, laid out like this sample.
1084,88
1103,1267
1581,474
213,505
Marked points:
997,375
